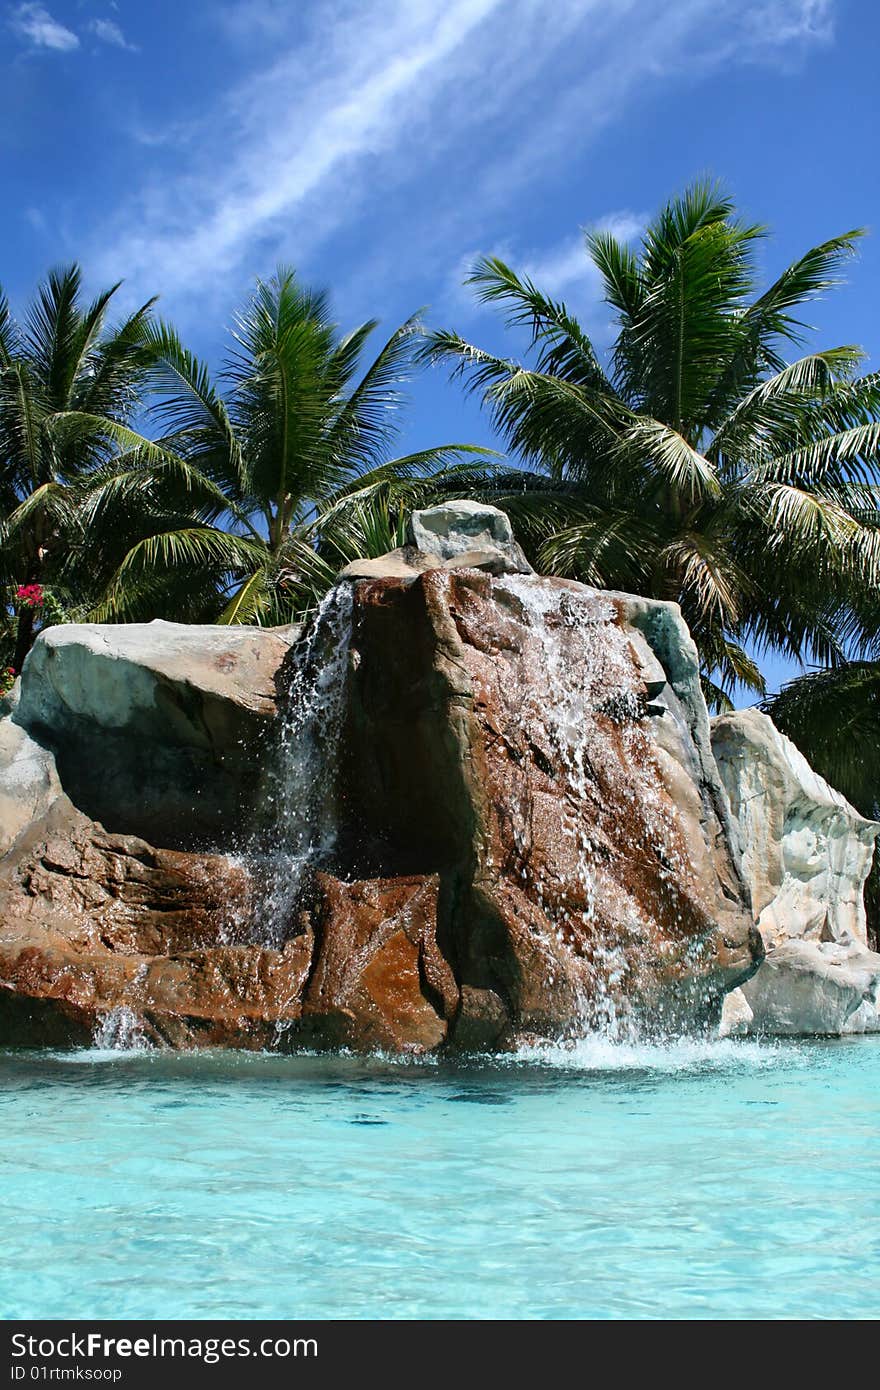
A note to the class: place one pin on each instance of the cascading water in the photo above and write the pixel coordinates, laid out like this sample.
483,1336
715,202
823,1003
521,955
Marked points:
121,1030
598,677
304,768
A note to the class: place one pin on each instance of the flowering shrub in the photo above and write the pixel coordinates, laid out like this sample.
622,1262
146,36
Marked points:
7,680
42,602
30,595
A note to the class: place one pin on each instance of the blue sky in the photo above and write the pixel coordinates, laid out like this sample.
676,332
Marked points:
379,145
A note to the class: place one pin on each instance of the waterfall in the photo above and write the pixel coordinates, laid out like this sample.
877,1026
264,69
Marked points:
121,1030
304,768
592,674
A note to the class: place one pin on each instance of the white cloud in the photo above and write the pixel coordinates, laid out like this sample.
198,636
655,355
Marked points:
782,22
567,266
35,23
37,220
353,87
108,31
359,106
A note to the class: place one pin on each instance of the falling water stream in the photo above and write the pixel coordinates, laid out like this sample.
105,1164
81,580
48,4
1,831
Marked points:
304,768
602,677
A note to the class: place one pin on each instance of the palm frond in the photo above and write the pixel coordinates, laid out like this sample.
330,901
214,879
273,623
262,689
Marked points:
670,457
248,601
834,718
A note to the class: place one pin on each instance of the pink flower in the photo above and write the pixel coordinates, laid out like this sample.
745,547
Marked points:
31,595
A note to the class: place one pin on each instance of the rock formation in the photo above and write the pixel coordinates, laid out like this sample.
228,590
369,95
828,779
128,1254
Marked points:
806,855
154,725
491,811
534,750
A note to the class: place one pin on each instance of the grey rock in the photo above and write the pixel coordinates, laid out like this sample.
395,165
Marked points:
153,725
28,781
458,527
806,855
813,988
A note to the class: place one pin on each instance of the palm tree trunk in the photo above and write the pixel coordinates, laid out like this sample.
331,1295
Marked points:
24,633
24,638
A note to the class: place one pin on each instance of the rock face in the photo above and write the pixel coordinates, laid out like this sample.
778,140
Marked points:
806,854
95,924
153,725
544,748
379,977
528,831
29,781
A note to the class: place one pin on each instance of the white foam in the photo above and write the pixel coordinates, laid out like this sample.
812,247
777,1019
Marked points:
598,1053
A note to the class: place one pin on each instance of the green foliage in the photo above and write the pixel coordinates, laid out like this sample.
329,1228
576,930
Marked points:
285,461
70,383
834,718
707,462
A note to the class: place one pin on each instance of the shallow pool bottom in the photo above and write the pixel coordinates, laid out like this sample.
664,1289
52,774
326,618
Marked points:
717,1180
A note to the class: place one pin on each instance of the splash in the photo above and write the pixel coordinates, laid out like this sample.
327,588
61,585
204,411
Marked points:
601,1053
121,1030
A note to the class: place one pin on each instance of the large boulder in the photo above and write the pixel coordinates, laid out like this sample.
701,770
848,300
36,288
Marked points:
806,855
544,747
153,725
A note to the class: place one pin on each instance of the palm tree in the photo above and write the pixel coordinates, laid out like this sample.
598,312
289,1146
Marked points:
69,385
288,464
698,464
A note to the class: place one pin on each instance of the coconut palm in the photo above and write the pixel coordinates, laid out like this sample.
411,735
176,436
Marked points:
698,464
62,358
296,438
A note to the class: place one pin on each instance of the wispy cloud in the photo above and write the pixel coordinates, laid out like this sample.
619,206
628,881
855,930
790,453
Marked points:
355,87
36,220
344,107
562,271
108,31
568,265
255,20
777,22
36,26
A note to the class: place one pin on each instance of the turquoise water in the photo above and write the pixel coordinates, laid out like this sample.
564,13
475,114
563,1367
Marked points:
699,1180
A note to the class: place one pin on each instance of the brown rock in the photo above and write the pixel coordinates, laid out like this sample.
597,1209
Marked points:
91,923
482,1021
517,748
380,979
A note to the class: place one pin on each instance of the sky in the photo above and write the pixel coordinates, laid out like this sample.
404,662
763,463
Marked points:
379,146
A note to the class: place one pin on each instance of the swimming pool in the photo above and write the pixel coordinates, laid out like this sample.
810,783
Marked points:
701,1179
